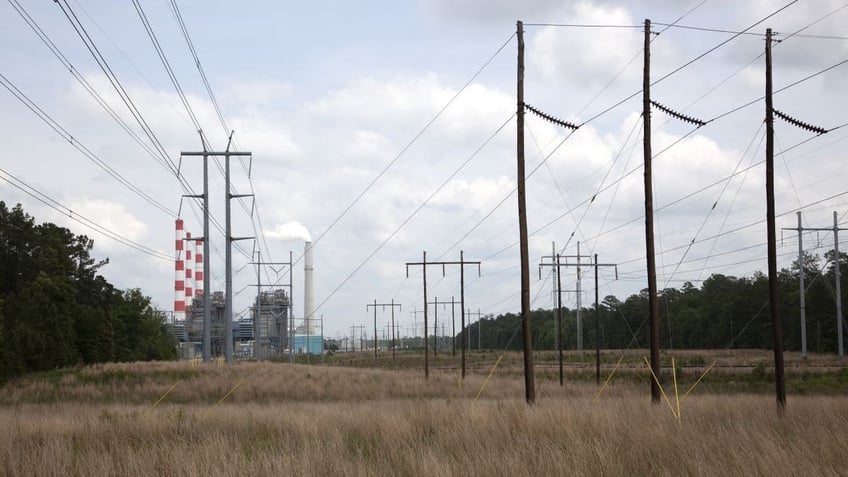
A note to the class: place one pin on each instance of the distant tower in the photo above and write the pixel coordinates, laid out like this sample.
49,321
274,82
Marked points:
308,296
179,275
198,268
189,279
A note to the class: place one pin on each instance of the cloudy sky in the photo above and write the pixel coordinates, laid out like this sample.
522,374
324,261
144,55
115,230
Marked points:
384,129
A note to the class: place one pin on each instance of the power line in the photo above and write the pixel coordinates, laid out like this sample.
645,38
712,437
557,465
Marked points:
164,59
679,68
175,9
64,210
85,84
418,209
30,104
115,82
582,25
414,140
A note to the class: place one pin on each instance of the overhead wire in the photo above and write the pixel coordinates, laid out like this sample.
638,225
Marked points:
412,141
55,126
81,219
418,209
258,228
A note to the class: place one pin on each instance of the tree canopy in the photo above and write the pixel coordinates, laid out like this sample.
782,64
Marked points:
56,310
725,312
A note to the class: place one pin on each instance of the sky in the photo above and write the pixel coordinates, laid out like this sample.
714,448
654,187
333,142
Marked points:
382,130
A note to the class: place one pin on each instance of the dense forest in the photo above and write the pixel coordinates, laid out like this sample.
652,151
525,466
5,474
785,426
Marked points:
725,312
56,310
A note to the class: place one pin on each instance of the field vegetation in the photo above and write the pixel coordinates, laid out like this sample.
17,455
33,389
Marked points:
275,418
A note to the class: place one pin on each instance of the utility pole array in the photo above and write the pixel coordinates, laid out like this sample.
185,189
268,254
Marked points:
555,262
598,320
835,229
468,332
423,264
436,304
353,330
228,318
392,306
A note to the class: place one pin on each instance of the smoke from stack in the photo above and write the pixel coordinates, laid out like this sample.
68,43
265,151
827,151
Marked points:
308,298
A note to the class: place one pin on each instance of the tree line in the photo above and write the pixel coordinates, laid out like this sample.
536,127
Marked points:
725,312
56,310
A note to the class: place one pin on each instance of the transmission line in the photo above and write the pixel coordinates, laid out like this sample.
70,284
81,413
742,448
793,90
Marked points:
53,124
67,211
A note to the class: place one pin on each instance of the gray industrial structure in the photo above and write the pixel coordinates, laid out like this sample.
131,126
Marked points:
269,336
270,324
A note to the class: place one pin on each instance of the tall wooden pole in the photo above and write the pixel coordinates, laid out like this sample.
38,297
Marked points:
838,269
559,322
463,333
779,382
375,329
426,341
803,290
597,329
393,328
653,303
529,381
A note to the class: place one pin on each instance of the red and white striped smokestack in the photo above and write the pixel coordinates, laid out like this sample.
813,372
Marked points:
308,298
189,279
179,274
198,268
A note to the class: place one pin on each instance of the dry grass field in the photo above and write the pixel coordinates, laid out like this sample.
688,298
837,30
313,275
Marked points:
334,420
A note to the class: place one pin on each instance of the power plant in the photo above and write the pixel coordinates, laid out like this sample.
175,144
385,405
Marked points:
267,331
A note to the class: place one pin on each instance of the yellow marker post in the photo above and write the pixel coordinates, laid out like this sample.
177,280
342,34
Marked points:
699,379
487,378
222,400
609,378
676,396
162,397
647,363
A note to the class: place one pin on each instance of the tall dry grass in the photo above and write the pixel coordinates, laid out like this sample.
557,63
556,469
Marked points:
333,421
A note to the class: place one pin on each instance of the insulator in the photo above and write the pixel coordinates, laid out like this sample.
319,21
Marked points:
550,118
800,124
680,116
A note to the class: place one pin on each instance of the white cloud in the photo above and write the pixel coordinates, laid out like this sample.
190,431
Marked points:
112,216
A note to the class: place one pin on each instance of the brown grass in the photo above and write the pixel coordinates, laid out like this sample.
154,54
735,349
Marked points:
317,420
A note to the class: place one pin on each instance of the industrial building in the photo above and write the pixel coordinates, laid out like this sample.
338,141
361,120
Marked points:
268,331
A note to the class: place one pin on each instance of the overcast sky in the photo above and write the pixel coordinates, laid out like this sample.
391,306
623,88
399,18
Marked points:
329,96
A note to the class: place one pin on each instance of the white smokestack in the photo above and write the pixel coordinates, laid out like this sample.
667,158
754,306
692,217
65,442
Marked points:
308,298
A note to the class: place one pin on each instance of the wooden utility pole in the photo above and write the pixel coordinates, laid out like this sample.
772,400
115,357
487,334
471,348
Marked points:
468,333
838,271
598,319
653,303
529,378
835,229
779,381
436,304
462,263
555,262
392,305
